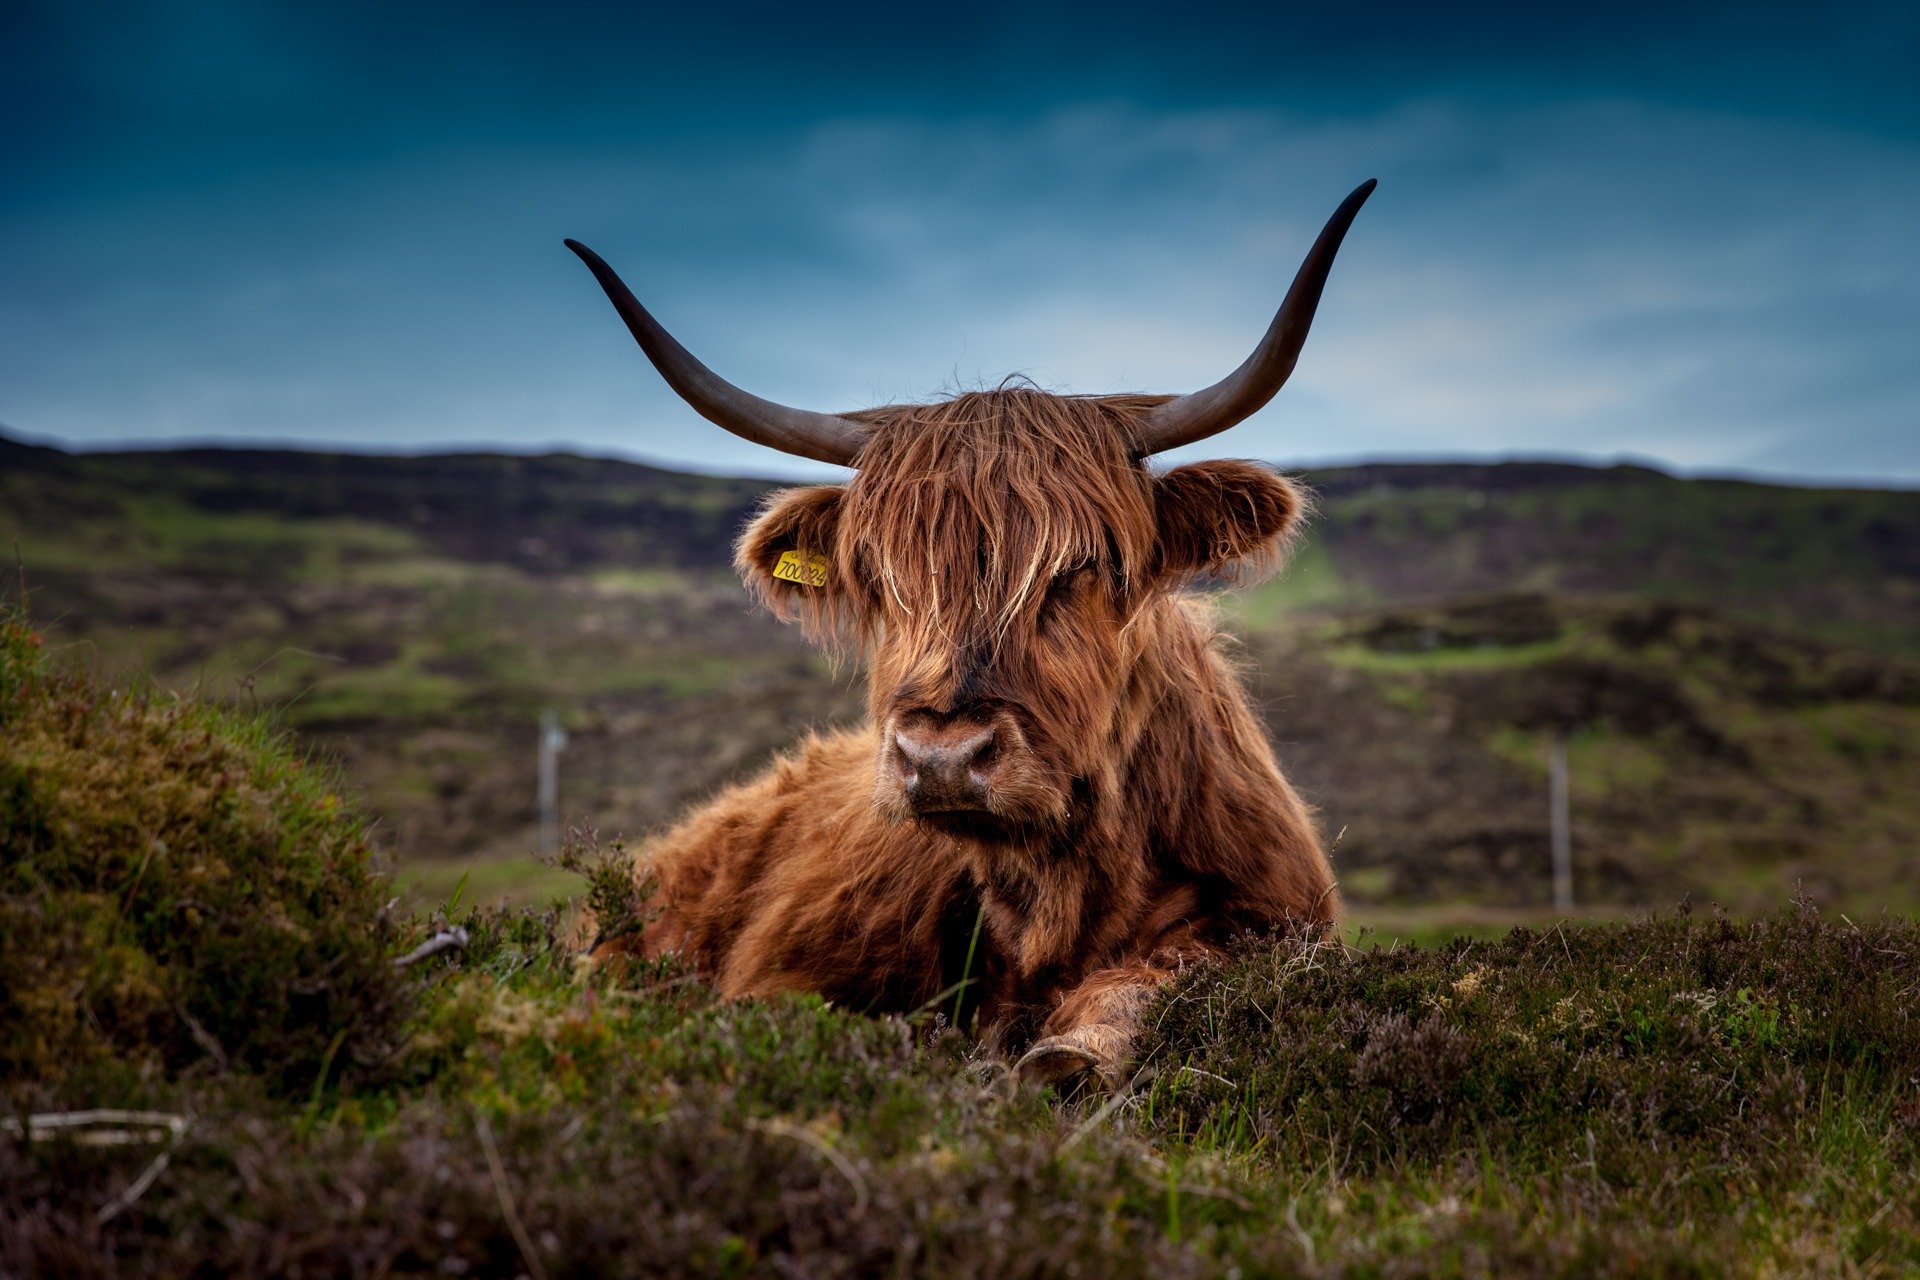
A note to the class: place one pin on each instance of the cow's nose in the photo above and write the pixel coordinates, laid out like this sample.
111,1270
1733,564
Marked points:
944,767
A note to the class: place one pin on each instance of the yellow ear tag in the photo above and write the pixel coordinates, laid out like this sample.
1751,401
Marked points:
803,567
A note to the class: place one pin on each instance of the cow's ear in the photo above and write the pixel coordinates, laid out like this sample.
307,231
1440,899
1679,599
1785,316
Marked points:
1224,519
786,556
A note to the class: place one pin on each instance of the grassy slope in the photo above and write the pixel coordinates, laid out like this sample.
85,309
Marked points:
1683,1096
411,616
1838,564
178,885
1843,564
1706,756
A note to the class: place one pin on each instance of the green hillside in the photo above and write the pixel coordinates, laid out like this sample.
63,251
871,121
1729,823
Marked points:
213,1059
223,1051
1840,564
1706,756
1732,663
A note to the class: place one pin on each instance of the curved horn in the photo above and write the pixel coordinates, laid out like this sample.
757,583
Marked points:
824,437
1247,389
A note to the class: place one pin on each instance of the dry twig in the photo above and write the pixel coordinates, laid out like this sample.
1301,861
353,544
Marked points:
499,1173
108,1128
441,941
1107,1108
787,1129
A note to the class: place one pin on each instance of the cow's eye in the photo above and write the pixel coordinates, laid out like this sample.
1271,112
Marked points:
1065,587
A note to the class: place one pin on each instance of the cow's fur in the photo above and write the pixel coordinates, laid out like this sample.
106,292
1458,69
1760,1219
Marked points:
1005,555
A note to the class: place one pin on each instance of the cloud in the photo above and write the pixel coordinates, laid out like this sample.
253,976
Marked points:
1596,277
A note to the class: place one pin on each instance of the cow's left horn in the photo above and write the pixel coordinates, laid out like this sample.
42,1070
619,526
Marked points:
1243,392
824,437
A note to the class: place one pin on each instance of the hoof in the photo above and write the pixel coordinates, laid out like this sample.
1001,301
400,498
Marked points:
1055,1061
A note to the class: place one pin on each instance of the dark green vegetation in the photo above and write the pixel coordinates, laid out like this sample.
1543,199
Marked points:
1842,565
411,618
1708,757
1687,1098
1733,663
1684,1096
193,928
1677,1096
177,889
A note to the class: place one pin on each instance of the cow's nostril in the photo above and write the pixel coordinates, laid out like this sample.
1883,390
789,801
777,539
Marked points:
903,764
944,767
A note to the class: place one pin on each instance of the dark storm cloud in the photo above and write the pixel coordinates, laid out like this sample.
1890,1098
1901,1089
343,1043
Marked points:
1682,232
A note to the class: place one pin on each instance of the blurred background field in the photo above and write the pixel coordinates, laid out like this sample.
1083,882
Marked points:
1734,666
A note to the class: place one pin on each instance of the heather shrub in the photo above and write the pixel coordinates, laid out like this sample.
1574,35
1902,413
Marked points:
189,922
179,891
621,1120
1633,1051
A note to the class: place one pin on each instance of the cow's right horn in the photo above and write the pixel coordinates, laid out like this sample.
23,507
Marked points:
824,437
1243,392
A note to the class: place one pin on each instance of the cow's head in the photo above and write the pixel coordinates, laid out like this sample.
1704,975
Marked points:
997,557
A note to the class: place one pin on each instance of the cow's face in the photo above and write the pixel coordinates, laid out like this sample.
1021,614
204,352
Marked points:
1002,559
998,559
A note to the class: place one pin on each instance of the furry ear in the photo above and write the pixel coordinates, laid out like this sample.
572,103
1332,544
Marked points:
802,526
1224,519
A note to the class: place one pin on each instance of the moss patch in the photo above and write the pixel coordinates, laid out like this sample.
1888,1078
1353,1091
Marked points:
179,889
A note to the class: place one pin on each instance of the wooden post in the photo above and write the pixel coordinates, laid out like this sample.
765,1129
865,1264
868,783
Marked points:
1557,817
552,739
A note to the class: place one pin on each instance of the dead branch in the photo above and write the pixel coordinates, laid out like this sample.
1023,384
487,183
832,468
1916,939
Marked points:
441,941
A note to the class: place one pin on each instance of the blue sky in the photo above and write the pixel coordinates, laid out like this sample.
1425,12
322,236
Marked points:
1684,233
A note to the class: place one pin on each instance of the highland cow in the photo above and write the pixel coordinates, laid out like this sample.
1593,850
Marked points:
1062,794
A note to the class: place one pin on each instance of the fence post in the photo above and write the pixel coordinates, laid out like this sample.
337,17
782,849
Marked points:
552,739
1557,817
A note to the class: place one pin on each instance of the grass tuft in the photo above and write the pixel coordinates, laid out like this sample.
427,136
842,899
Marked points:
180,891
1681,1096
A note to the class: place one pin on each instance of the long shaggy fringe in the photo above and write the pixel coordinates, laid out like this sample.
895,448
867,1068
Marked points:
938,477
1051,481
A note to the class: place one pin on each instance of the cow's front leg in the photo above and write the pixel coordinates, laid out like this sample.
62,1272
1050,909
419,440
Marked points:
1092,1030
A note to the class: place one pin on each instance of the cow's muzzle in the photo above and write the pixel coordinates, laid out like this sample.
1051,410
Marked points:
945,763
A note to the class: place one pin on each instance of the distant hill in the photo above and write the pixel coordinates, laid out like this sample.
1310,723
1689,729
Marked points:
1733,663
1843,564
1708,756
555,512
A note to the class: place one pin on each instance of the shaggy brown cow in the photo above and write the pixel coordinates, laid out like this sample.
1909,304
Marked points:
1062,794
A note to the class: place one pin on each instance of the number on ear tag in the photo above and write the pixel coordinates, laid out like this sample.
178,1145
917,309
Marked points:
803,567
